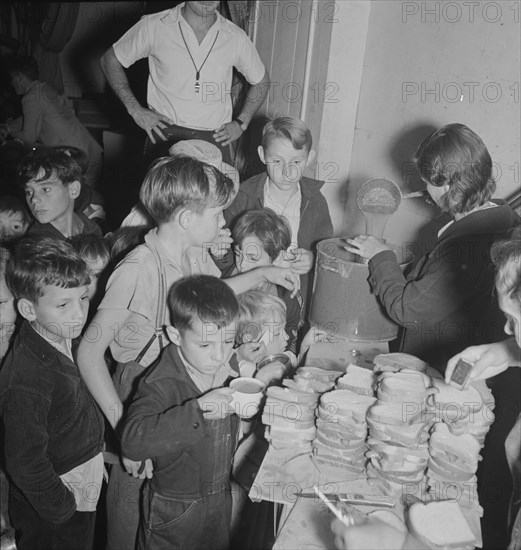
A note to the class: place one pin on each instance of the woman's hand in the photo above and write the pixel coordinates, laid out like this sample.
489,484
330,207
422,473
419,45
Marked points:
487,360
366,246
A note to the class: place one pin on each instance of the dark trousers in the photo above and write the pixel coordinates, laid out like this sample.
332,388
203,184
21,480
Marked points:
176,133
179,524
33,533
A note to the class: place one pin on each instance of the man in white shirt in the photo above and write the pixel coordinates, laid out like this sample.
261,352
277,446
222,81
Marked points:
191,51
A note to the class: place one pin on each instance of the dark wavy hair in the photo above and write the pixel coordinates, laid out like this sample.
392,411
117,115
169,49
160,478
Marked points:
41,262
456,156
272,230
202,297
52,161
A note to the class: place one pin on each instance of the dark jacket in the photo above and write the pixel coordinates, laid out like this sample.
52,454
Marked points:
51,423
38,229
165,423
447,303
315,221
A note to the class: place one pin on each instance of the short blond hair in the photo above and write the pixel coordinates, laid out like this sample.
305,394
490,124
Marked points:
258,312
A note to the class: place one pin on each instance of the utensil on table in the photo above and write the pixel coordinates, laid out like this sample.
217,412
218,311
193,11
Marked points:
348,516
377,501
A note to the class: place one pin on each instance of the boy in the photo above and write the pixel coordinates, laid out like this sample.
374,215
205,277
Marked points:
89,202
261,238
286,150
95,252
51,181
186,199
14,219
56,468
181,417
261,327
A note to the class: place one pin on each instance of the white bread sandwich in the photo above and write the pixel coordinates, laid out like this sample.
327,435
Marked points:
440,524
396,362
358,379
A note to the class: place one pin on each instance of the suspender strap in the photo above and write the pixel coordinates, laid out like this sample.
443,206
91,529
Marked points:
161,305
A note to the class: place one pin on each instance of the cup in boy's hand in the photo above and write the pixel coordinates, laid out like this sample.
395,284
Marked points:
216,403
247,396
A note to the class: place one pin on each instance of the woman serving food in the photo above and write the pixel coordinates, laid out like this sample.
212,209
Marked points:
446,303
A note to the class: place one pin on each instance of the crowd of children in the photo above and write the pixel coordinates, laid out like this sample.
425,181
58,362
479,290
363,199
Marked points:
145,325
118,347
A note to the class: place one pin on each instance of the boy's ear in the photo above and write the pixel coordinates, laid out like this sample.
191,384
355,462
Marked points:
311,156
173,335
260,150
26,309
185,217
74,189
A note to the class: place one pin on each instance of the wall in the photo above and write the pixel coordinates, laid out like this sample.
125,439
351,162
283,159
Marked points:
98,26
428,64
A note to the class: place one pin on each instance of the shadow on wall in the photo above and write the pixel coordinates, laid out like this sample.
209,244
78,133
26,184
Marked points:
84,59
401,153
420,222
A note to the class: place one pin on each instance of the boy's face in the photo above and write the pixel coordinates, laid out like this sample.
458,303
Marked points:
513,314
7,316
96,267
59,313
50,200
205,346
275,338
204,227
12,225
251,254
284,163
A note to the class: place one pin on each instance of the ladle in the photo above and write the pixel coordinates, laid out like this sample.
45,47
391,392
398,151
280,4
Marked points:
378,199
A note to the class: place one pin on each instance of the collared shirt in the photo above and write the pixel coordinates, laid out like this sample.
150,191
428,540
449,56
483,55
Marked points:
204,382
171,84
290,210
134,286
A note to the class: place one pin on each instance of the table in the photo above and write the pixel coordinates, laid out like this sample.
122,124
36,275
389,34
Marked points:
305,522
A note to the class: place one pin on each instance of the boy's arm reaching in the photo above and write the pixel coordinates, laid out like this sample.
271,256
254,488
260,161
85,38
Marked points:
91,361
276,275
26,440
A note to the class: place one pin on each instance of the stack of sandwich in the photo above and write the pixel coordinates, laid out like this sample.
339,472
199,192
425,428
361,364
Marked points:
398,424
289,416
341,421
463,418
313,379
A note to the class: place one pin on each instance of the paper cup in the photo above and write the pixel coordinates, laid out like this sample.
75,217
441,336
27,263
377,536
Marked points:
247,396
